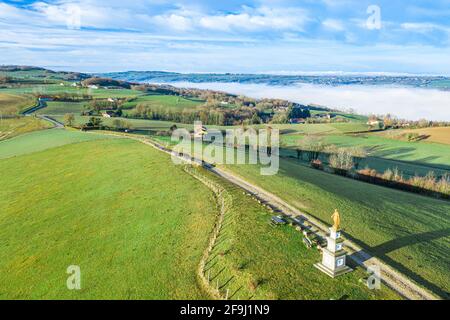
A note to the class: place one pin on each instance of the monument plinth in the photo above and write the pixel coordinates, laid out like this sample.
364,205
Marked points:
334,257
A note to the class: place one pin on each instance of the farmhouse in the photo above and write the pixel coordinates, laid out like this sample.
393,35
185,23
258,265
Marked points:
107,114
45,99
373,123
297,120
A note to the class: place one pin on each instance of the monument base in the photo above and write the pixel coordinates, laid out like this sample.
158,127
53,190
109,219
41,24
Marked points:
333,273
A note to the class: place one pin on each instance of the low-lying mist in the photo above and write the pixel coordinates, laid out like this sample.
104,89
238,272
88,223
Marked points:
403,102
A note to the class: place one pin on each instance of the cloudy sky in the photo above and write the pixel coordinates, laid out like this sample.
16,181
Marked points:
278,36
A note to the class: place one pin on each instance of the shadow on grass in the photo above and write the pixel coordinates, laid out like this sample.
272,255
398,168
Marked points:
383,249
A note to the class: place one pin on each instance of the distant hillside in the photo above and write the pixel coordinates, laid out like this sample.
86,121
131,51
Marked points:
31,72
106,82
438,82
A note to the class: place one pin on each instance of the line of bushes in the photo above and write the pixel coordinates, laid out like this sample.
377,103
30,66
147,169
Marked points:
429,185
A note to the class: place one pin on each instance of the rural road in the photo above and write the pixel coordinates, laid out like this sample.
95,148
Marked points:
57,124
42,105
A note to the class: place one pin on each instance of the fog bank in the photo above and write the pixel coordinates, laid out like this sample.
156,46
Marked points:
408,103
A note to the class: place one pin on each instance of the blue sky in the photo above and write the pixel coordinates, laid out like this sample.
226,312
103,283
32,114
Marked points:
270,36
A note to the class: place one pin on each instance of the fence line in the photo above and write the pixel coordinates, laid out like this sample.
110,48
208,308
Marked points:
224,200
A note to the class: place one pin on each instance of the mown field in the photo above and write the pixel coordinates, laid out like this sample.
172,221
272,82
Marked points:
139,233
114,207
408,231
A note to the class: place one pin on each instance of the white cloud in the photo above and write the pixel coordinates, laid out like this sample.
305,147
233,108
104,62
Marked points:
263,18
174,21
423,27
333,24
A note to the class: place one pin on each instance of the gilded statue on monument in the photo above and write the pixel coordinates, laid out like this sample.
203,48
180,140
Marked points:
336,219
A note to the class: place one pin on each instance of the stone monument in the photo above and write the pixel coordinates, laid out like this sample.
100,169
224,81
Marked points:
334,256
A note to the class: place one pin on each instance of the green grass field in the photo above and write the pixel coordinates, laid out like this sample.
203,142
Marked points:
164,101
258,261
137,124
408,231
293,131
343,115
411,158
61,108
56,88
43,140
140,233
114,207
16,126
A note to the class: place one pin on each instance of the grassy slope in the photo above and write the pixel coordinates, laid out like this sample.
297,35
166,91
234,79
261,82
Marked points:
437,134
61,108
409,157
432,153
294,131
258,261
117,228
136,232
408,231
138,124
11,104
164,101
42,140
55,88
13,127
